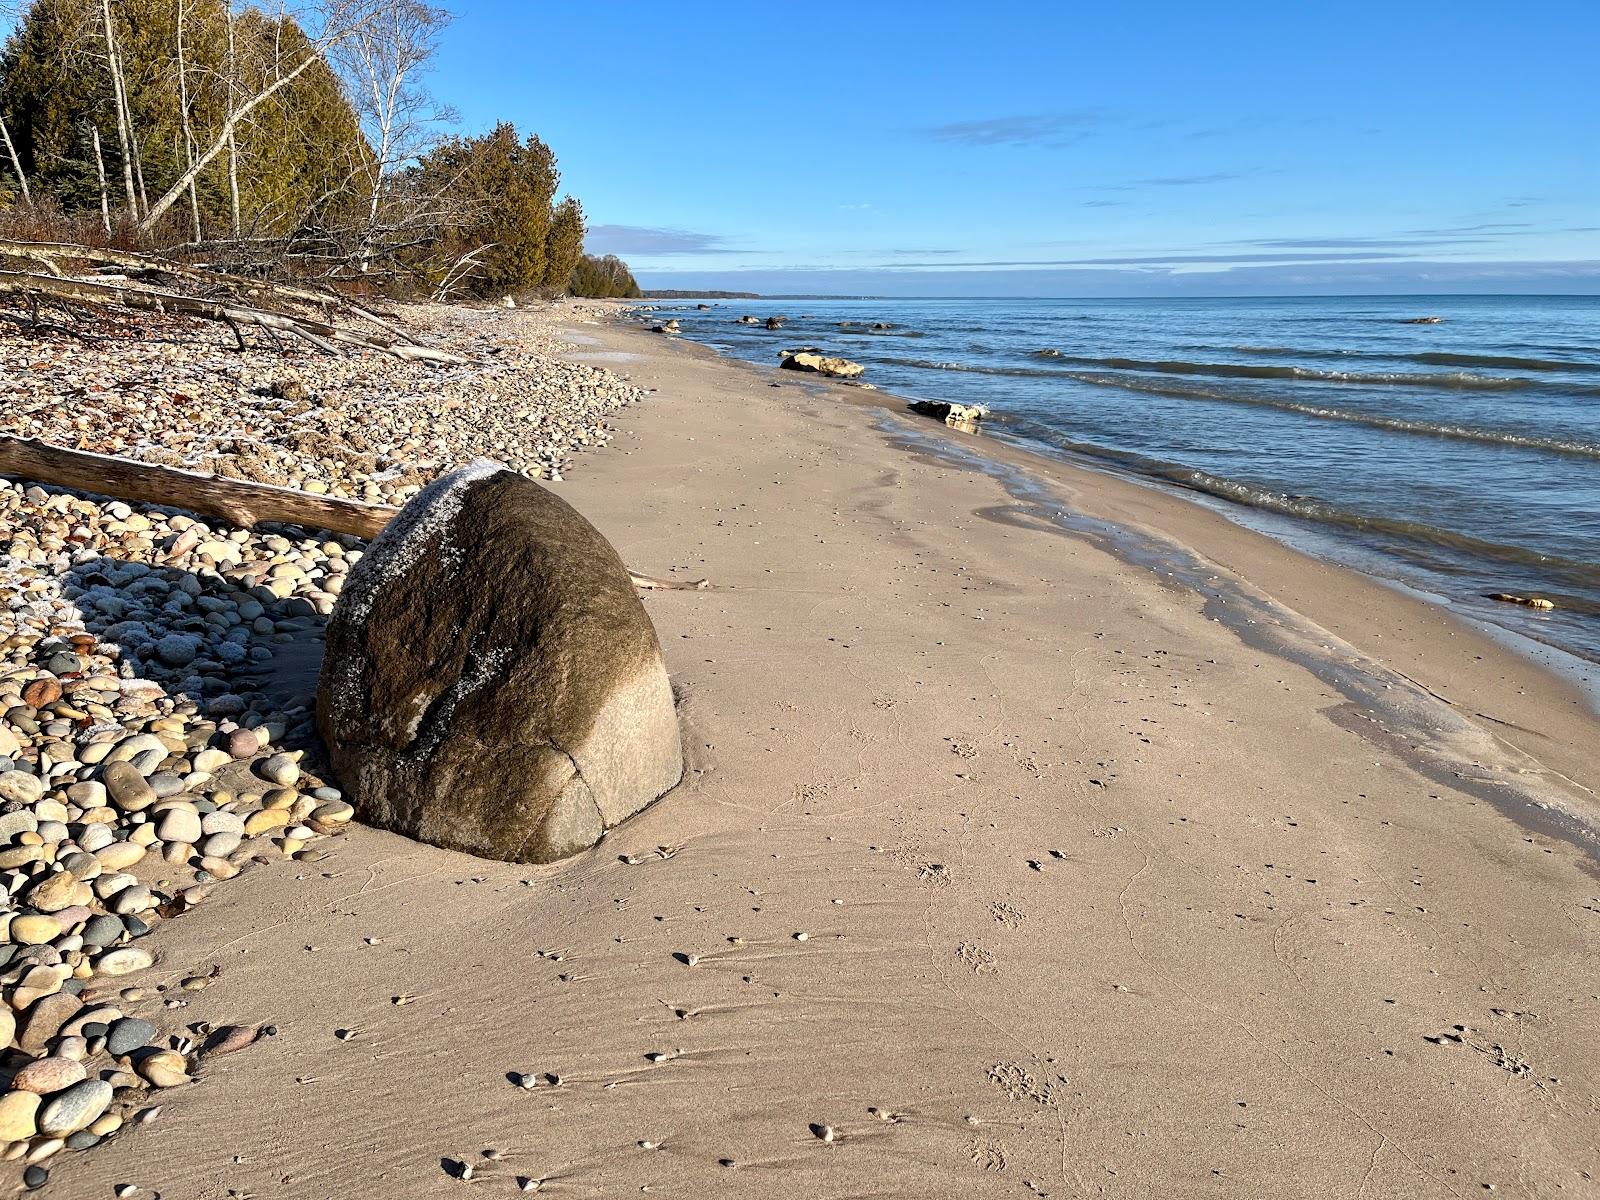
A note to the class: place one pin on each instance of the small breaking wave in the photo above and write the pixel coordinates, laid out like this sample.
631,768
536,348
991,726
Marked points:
1157,387
1464,433
1311,508
1435,358
1449,381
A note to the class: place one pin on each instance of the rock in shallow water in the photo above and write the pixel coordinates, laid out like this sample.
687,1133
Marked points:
492,683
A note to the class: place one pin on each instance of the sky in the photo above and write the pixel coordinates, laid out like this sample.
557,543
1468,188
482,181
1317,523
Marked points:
1060,148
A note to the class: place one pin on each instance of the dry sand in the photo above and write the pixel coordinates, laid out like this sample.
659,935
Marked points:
1009,864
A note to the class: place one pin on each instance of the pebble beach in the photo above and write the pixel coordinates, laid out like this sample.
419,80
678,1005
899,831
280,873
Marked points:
157,670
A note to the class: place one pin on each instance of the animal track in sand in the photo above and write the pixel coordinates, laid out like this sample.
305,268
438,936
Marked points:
976,958
1507,1060
962,749
810,793
1020,1084
1007,914
987,1155
929,872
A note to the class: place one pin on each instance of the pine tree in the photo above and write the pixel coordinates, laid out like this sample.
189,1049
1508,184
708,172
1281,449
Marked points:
564,245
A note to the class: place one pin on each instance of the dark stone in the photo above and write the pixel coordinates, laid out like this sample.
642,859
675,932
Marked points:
128,1034
491,682
102,930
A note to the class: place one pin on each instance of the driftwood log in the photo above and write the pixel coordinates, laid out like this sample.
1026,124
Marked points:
321,334
235,501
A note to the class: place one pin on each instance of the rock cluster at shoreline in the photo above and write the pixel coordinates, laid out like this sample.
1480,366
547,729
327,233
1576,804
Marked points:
366,426
157,670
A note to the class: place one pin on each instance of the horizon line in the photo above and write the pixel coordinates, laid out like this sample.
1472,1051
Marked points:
710,294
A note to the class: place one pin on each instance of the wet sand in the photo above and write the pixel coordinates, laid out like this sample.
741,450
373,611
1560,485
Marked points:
1043,835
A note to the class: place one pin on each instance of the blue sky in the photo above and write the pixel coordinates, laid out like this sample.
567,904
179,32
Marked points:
1061,148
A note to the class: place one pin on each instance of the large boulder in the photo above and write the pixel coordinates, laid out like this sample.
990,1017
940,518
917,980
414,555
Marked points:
491,682
818,364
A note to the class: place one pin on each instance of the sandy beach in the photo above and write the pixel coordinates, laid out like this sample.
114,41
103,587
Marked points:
1043,834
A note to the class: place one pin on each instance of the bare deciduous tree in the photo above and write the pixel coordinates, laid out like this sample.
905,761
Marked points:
120,99
382,61
16,164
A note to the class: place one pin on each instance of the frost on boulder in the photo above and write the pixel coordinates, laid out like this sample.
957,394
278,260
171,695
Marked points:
492,683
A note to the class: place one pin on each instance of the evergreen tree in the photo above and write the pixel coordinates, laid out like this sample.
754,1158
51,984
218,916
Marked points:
502,188
603,279
564,245
296,150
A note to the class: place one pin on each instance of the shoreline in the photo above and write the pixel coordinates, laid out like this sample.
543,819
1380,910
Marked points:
1226,440
1003,865
1484,669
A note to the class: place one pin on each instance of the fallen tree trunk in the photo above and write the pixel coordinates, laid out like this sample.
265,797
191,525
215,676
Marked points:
321,334
50,253
233,500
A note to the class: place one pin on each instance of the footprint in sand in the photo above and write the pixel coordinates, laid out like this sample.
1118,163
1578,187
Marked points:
1007,914
976,958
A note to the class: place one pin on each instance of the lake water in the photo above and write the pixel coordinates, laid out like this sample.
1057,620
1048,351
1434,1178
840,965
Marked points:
1461,457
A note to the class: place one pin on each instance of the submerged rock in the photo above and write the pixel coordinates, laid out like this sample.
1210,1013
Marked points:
492,683
817,364
958,416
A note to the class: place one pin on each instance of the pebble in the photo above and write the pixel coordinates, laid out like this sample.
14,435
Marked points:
46,1075
127,787
164,1069
45,1019
280,769
35,929
19,1116
124,961
102,931
128,1035
21,787
179,824
75,1108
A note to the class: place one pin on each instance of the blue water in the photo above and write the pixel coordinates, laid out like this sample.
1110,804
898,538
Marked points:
1461,457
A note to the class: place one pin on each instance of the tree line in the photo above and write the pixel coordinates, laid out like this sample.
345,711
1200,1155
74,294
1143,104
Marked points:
301,141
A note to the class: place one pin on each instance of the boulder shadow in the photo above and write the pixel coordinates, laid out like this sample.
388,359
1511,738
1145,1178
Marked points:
232,650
